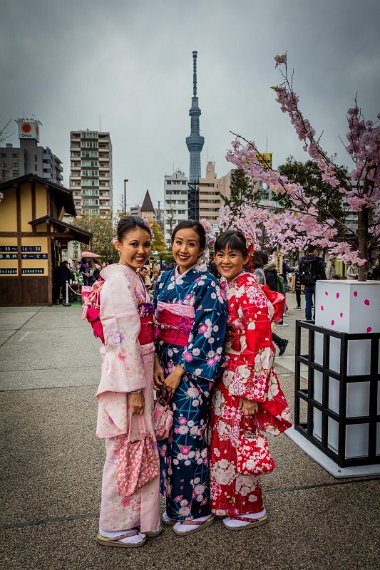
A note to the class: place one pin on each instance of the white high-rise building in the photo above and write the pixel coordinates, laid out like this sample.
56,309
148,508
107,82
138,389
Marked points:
91,172
176,201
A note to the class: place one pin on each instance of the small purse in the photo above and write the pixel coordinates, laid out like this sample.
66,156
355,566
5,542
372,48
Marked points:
137,463
253,455
162,418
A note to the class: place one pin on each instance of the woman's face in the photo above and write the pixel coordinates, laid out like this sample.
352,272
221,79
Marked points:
186,249
230,262
135,248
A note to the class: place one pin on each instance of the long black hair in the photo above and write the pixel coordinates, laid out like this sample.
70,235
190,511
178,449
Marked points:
233,239
196,226
129,223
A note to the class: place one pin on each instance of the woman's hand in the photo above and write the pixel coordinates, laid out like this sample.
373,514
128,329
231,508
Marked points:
158,373
249,407
172,381
136,403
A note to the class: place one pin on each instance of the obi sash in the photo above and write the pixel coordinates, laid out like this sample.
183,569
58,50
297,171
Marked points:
174,322
146,312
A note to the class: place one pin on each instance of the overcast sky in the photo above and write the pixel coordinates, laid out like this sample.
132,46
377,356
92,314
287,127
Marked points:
128,63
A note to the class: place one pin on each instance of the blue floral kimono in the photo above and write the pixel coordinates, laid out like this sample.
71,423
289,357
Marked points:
192,317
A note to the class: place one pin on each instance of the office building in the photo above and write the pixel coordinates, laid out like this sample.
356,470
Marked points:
91,172
29,157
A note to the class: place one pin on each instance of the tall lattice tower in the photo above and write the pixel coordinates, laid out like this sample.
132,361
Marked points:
195,142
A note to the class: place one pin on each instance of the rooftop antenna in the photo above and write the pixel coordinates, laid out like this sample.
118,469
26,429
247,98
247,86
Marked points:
100,122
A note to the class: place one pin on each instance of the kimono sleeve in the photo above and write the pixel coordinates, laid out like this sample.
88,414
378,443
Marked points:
122,368
202,356
251,378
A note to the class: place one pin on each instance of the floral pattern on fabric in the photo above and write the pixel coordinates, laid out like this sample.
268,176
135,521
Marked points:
249,374
127,365
184,455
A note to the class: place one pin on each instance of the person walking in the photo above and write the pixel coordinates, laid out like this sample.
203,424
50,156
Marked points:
312,269
192,316
258,267
330,267
297,287
272,282
125,393
61,274
248,397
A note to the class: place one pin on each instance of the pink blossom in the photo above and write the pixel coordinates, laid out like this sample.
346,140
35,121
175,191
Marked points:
187,356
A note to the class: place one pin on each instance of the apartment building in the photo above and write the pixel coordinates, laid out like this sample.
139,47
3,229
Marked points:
176,201
211,191
91,172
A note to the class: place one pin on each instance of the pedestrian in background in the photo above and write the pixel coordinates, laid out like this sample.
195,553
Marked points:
61,274
352,271
258,266
273,284
330,267
144,273
312,269
297,287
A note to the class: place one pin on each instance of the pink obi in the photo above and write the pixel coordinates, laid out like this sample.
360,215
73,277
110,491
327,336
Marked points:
174,322
146,312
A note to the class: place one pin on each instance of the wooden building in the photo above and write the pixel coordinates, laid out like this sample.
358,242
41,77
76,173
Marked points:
32,236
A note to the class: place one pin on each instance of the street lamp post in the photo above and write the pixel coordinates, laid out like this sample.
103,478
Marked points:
125,196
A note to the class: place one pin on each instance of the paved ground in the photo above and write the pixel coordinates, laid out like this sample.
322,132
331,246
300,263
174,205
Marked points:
52,462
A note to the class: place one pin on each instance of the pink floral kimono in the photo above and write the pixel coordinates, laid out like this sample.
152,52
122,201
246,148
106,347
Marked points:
127,365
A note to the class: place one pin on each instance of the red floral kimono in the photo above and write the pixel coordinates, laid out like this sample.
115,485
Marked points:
249,374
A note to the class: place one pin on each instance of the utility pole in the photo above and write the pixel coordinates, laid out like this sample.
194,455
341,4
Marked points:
125,196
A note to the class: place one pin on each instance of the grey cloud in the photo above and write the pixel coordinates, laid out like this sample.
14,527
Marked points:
130,62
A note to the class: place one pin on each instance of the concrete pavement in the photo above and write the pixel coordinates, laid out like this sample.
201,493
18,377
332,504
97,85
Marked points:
52,463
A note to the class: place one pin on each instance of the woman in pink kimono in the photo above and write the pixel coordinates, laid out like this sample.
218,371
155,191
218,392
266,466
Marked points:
126,387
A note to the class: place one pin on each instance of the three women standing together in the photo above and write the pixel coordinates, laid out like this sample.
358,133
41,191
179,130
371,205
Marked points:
195,316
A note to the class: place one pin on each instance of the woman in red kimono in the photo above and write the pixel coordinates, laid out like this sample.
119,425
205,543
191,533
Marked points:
248,396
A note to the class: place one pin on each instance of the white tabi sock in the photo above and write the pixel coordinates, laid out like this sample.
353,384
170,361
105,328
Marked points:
135,539
232,523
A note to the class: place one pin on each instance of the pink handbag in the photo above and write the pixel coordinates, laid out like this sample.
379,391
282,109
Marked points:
162,418
138,461
253,455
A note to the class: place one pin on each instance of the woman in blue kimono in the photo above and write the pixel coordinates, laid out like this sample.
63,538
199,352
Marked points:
192,315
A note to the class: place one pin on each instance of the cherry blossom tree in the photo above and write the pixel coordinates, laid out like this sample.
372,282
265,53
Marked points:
298,226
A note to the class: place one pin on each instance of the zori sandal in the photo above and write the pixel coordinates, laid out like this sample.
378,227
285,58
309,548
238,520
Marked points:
129,539
182,528
240,522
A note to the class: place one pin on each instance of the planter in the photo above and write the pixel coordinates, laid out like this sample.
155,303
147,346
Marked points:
338,408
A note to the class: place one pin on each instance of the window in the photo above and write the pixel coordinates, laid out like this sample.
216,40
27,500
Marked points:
3,155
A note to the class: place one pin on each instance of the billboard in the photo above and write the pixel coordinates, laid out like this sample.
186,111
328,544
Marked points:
28,129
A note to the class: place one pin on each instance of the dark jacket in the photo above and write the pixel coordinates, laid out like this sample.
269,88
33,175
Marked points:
61,274
314,265
271,275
